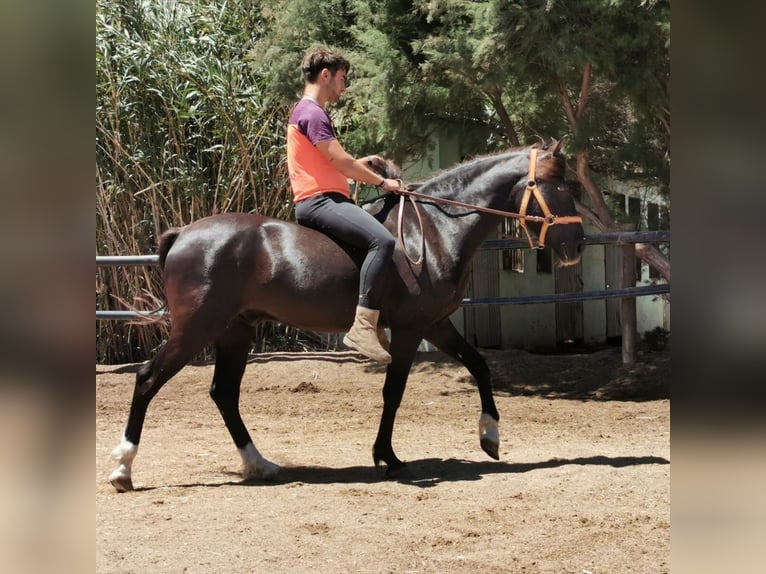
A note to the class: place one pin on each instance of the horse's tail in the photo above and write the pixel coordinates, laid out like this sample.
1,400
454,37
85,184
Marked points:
167,239
159,313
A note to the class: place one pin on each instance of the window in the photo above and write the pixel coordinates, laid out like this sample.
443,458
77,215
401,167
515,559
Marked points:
654,222
544,260
633,217
634,212
513,259
652,216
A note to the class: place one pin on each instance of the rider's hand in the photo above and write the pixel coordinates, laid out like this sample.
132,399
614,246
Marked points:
390,185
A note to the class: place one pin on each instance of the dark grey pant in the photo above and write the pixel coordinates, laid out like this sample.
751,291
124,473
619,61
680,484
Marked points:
340,218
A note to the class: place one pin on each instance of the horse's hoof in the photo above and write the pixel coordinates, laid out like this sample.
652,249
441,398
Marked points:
267,471
379,458
270,471
490,447
489,436
121,483
393,467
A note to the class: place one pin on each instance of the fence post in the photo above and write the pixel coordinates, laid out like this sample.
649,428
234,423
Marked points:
628,304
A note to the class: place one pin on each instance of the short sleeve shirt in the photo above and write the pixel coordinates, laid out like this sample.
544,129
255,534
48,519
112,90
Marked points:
312,121
311,173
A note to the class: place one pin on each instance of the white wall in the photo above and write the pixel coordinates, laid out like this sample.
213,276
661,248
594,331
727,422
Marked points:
594,277
652,310
527,326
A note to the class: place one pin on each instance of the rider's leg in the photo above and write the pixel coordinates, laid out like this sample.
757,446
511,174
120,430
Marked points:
337,216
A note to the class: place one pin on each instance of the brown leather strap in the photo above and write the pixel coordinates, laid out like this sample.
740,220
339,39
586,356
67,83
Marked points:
470,206
419,260
547,219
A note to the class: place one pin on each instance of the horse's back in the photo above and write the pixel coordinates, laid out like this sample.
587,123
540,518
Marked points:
247,238
268,267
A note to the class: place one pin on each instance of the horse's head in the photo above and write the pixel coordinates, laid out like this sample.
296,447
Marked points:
545,194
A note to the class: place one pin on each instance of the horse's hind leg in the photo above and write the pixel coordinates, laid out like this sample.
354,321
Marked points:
446,338
179,349
231,350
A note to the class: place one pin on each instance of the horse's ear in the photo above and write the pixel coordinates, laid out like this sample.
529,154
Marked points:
557,146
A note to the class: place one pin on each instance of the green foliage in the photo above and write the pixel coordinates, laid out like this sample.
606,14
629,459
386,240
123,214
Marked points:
181,132
520,56
292,27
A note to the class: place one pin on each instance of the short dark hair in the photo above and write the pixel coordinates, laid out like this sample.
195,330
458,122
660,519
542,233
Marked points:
314,61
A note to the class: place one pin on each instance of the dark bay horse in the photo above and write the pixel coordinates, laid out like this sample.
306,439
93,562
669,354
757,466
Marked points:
224,273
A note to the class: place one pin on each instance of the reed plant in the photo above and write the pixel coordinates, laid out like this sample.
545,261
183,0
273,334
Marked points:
181,133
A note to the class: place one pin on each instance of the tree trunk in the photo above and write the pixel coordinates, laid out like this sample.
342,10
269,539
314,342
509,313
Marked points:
605,223
496,98
601,217
655,258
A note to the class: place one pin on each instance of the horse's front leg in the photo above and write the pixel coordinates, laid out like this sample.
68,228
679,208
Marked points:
403,347
446,338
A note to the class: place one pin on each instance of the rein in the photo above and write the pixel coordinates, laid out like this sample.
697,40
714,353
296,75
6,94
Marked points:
402,193
547,220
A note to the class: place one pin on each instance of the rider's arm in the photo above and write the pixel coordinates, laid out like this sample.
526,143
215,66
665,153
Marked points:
352,168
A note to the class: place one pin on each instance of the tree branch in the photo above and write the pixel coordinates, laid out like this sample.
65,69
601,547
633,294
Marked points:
594,194
567,103
655,258
590,216
587,74
495,97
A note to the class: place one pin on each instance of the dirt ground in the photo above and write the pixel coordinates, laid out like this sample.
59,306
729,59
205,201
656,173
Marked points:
583,484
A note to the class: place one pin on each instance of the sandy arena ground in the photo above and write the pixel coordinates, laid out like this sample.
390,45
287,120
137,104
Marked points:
583,484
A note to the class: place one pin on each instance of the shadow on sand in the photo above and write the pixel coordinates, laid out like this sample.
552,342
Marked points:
424,473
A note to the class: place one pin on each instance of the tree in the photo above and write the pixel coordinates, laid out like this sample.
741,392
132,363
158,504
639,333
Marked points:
502,73
182,132
595,70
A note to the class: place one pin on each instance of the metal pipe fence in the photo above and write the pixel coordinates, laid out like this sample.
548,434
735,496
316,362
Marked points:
616,238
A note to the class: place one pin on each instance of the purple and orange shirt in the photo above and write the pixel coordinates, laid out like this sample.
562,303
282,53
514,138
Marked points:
310,172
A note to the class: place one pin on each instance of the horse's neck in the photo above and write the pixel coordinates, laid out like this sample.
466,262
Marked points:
468,239
487,184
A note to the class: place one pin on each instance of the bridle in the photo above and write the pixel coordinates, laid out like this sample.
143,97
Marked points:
548,219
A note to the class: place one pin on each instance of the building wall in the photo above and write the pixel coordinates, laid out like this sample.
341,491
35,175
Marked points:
633,200
527,326
445,153
594,279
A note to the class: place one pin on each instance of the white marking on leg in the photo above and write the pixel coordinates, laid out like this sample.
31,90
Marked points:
488,429
255,466
124,453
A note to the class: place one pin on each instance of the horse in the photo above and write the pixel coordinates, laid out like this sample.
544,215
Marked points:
225,273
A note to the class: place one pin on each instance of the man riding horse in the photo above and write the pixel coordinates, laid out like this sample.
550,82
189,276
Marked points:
319,172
